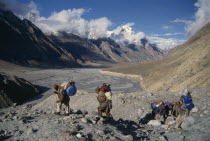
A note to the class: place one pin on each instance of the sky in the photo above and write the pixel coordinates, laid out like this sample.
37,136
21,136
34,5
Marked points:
164,22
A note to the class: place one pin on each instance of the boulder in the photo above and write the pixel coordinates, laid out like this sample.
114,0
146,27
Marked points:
171,122
205,112
79,135
100,132
187,123
194,110
154,122
164,126
84,120
100,122
129,137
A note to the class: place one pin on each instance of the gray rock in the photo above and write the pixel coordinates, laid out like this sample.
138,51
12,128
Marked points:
57,121
100,122
162,138
93,121
84,120
154,122
194,110
75,128
187,123
171,122
30,131
15,118
164,126
182,137
205,112
129,137
79,135
23,121
100,132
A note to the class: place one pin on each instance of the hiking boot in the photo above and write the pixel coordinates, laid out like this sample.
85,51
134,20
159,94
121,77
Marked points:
57,113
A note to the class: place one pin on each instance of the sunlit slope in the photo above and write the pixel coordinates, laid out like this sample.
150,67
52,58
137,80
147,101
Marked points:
187,65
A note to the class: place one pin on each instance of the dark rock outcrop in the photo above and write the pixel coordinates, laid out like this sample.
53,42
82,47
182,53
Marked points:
15,90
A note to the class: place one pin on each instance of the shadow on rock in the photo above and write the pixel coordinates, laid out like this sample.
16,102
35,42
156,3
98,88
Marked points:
42,89
129,128
146,118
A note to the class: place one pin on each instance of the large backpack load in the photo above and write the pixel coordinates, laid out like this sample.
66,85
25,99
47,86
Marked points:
101,97
65,85
105,87
71,90
156,106
168,105
63,98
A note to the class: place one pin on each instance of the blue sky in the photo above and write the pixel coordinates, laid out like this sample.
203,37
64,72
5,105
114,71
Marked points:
149,16
166,22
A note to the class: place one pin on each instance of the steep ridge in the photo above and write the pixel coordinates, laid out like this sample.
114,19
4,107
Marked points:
187,65
23,43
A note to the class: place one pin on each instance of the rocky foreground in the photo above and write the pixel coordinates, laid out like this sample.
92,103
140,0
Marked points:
131,113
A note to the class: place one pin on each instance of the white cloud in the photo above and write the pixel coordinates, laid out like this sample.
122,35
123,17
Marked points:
181,21
155,35
164,43
70,20
173,34
201,17
28,11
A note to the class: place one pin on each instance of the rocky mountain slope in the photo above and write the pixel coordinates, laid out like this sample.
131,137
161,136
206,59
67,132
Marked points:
15,90
106,49
23,43
187,65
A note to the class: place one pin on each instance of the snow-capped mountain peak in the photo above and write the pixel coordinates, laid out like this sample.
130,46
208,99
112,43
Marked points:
124,34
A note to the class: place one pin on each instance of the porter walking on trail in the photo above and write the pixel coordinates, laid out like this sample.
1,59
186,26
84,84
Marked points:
62,96
104,98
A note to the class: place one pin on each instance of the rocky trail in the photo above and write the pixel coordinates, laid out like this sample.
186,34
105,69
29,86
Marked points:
35,120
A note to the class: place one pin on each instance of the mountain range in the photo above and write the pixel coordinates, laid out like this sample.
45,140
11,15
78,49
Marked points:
25,44
187,65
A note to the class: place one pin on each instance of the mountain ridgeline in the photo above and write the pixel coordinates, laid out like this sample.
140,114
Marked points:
25,44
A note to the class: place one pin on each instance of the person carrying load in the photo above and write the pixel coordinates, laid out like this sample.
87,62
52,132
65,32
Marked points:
187,99
104,99
62,95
